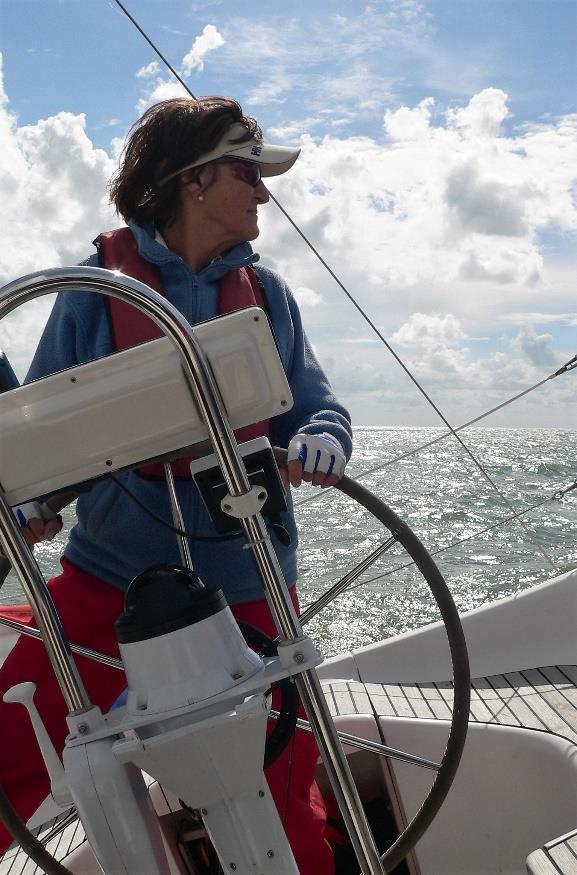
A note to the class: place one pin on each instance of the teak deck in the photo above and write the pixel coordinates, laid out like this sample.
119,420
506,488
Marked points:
544,699
537,698
559,856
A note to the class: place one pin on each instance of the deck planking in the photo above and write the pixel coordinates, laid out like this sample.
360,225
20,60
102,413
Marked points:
558,857
544,699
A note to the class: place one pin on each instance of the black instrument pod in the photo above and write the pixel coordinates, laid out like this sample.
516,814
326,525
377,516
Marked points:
163,599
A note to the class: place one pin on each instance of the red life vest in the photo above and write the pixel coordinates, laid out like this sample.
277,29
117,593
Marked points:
238,288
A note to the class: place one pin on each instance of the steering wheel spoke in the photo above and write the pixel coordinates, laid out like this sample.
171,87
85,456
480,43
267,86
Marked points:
382,750
345,582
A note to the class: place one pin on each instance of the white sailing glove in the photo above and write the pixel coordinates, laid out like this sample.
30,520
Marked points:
319,454
40,519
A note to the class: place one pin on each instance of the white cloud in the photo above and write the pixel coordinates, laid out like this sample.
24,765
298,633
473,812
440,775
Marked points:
274,90
483,115
163,89
540,318
436,231
435,227
149,70
294,130
536,348
430,331
357,90
116,146
409,123
53,203
21,331
334,65
52,191
503,265
209,40
435,208
353,377
169,87
307,297
488,206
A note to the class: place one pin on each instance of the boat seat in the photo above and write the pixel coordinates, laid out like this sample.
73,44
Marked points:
542,700
557,856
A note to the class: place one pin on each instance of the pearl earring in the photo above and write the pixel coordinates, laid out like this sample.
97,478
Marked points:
200,197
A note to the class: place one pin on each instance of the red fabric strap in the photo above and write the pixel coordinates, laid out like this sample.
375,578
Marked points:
239,288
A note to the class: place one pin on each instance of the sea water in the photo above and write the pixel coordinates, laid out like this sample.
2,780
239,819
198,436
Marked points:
448,502
445,498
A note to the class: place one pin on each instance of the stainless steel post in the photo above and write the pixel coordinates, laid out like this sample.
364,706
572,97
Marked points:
207,396
314,702
47,619
177,518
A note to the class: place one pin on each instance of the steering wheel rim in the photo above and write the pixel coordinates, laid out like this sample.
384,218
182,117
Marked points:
459,661
461,680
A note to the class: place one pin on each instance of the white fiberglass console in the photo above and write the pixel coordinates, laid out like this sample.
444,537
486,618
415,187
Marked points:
115,412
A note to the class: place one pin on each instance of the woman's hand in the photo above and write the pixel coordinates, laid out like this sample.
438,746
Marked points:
37,521
315,458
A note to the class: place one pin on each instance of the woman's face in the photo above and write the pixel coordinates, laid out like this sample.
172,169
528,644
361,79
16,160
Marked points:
230,201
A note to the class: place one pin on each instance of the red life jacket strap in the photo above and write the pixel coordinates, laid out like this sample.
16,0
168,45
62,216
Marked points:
118,250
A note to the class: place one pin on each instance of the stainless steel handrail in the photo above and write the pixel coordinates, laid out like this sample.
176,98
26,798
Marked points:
58,648
207,396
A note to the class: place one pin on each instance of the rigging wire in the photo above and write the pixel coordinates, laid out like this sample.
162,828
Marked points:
364,315
568,366
558,495
154,47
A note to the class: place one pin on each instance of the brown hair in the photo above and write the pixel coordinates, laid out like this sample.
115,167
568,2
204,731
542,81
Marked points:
169,135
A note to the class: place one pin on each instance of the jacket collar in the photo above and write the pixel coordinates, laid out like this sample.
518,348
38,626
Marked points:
157,253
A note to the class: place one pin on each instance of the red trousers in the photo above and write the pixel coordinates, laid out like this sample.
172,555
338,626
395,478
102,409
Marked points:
88,608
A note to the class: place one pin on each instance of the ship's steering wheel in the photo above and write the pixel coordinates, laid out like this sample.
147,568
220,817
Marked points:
402,534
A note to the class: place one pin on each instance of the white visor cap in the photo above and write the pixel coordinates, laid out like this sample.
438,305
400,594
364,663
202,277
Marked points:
273,160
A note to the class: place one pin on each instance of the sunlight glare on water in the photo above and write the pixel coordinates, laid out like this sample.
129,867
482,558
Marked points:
443,497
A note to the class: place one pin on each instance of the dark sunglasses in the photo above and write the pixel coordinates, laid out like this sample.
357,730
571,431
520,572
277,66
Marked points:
246,171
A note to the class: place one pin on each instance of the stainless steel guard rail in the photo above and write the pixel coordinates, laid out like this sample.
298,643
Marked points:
207,396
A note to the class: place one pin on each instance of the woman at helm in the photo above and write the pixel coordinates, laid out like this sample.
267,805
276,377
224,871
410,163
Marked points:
189,187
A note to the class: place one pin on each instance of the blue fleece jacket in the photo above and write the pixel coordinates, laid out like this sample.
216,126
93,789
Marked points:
113,538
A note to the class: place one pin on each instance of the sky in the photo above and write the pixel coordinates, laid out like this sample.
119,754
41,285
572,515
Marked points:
437,178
